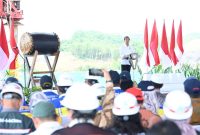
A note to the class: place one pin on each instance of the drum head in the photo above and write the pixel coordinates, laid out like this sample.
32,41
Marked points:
26,44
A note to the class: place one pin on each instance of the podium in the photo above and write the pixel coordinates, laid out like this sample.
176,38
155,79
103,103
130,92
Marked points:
31,67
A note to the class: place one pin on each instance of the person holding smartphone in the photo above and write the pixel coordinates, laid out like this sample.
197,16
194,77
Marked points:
125,51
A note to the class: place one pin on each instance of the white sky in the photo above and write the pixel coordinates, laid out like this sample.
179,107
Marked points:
111,16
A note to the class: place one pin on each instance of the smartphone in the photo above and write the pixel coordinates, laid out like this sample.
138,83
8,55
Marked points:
95,72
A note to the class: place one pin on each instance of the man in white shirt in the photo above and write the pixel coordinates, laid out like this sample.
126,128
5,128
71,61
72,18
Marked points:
125,51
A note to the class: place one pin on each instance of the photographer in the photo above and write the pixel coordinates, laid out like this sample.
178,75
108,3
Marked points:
104,118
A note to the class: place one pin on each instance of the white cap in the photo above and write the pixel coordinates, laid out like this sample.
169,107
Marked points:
36,97
12,87
82,97
65,81
125,104
178,105
99,88
157,78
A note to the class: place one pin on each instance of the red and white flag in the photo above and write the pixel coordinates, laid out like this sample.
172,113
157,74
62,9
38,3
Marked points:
172,46
146,43
154,44
4,52
180,38
179,49
164,51
13,45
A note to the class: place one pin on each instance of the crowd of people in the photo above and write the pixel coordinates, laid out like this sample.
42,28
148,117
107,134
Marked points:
119,107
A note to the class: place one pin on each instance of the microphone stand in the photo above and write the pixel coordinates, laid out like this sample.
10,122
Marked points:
133,60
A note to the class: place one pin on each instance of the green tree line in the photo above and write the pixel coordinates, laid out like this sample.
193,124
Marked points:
97,45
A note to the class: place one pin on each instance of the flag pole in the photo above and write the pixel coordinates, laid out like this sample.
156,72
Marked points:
24,67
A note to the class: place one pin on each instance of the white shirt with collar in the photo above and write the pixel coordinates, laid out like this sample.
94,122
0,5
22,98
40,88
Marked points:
47,128
125,50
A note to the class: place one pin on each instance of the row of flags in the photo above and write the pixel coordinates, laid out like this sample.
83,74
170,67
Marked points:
8,54
167,55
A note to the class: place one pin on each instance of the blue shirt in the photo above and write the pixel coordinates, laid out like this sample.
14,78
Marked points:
118,91
56,102
51,95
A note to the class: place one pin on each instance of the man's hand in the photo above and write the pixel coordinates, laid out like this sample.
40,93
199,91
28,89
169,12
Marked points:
126,57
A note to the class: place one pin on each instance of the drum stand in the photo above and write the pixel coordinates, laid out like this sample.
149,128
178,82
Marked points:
31,79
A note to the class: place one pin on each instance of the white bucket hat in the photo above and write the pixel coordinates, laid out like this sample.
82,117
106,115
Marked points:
82,97
178,105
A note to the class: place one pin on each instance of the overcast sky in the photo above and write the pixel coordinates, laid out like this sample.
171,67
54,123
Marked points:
110,16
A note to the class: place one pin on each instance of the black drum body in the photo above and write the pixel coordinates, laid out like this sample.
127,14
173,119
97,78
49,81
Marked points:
44,43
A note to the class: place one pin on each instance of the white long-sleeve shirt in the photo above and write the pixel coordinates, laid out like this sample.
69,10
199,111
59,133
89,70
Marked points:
125,50
47,128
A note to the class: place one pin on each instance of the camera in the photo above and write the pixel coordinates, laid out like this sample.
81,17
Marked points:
95,72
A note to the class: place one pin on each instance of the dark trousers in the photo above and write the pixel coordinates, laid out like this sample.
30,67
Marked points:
126,68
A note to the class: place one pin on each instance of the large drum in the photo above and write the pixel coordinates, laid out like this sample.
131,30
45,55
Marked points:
42,42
